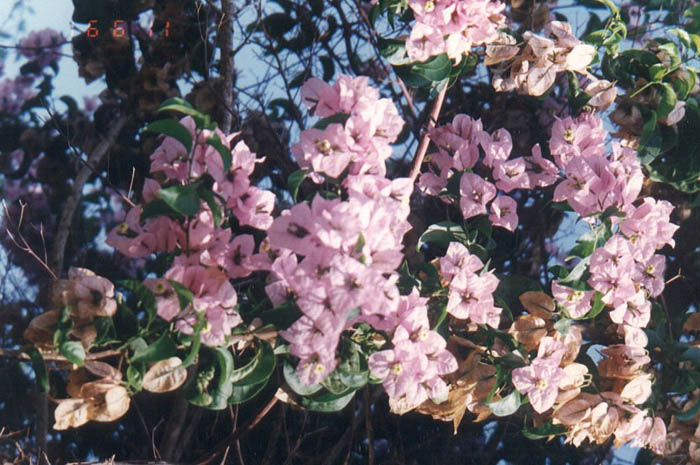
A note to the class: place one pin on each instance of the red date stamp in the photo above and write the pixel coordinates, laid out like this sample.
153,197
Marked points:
118,29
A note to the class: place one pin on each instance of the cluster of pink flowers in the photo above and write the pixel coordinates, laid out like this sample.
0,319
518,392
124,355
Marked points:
533,69
452,27
211,255
625,270
351,249
42,47
337,257
14,93
459,145
541,379
359,145
594,179
470,288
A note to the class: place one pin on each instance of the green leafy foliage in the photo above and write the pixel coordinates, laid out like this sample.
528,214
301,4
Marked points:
73,351
442,234
161,349
435,69
183,199
174,129
506,406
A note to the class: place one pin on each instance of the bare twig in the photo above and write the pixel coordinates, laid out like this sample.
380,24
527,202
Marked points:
425,140
20,242
225,37
237,433
71,204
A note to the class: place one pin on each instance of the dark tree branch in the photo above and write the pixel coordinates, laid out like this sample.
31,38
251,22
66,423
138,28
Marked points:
73,200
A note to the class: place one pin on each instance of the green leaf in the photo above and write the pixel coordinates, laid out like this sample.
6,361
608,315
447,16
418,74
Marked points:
598,307
174,129
42,376
543,431
240,394
225,152
294,181
650,142
161,349
73,351
282,316
184,295
287,106
562,326
327,401
442,234
194,352
182,199
394,50
221,389
208,197
293,381
577,272
219,395
159,207
181,105
134,375
695,42
338,118
424,74
657,72
224,361
614,10
668,100
682,35
506,406
263,368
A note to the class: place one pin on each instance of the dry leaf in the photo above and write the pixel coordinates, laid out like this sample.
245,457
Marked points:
111,405
602,92
75,381
579,57
572,341
573,411
71,413
103,370
538,304
692,324
41,328
283,395
638,390
85,333
96,388
166,375
400,406
529,330
452,409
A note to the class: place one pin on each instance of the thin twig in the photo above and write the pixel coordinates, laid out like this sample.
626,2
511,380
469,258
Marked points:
24,246
236,434
425,140
225,38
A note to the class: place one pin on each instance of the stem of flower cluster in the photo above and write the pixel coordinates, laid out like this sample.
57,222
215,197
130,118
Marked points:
425,140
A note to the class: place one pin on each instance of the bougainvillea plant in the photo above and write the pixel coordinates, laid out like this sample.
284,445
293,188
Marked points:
330,284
